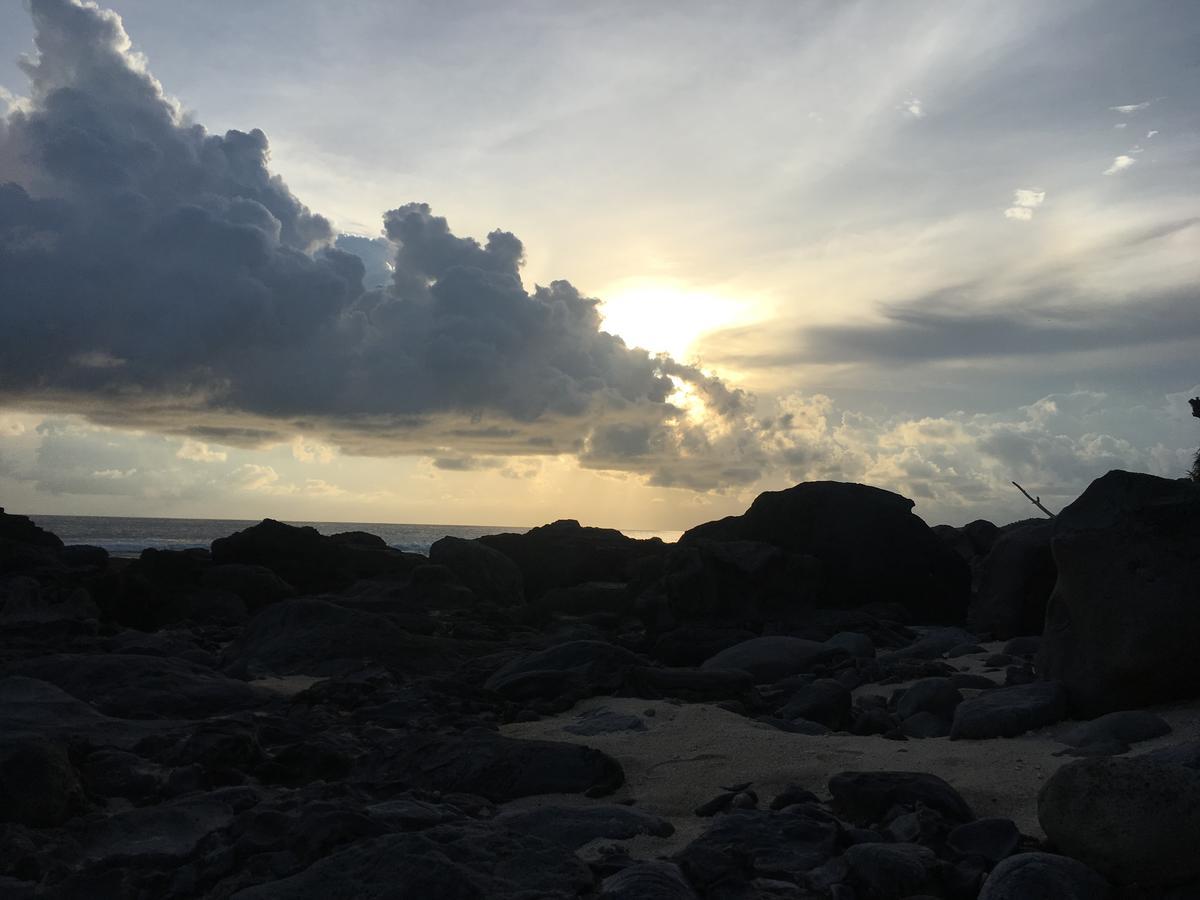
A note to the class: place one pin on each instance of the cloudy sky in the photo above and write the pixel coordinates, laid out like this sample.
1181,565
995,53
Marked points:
630,263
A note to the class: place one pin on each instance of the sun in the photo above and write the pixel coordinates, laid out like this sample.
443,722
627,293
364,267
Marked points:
666,316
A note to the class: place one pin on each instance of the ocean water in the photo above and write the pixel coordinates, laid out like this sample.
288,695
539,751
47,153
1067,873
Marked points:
126,536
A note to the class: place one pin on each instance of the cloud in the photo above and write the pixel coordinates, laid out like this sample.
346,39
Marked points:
162,277
1120,164
1131,108
912,106
1150,134
198,451
1025,201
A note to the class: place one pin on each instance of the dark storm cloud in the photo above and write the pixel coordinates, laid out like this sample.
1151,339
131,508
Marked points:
159,276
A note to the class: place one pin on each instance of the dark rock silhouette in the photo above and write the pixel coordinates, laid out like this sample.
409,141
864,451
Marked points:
1123,621
870,546
1014,581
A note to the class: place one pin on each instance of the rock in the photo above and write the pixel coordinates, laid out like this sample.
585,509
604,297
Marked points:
992,839
312,637
734,583
574,826
1123,621
109,772
934,644
564,672
971,541
134,686
925,725
170,832
1015,581
743,844
21,530
1131,820
603,721
1186,754
858,646
257,586
824,701
586,599
692,644
1009,711
38,784
651,880
310,561
1128,727
930,695
26,601
564,553
449,862
771,658
866,797
890,871
1025,647
491,576
972,682
869,544
501,768
85,557
1044,876
38,707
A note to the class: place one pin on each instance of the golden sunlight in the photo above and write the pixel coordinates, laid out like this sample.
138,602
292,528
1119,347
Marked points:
666,316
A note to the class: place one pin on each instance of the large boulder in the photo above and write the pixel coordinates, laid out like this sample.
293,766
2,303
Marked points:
1014,582
866,797
1124,619
310,561
565,553
307,636
775,656
1009,711
1044,876
491,576
870,545
574,670
21,530
38,784
136,686
1132,820
730,584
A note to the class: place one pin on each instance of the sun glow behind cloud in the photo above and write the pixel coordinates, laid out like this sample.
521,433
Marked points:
666,316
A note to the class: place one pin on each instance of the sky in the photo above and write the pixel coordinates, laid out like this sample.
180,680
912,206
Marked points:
627,263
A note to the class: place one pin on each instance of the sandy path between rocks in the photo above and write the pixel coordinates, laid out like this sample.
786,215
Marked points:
688,752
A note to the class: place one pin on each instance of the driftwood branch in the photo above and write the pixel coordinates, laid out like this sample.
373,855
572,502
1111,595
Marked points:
1036,501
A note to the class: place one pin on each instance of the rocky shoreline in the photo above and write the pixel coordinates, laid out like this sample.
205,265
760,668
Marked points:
821,698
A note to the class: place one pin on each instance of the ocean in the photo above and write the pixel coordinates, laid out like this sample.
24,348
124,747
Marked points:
128,536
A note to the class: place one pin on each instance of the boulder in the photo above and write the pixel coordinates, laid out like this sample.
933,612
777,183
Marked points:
134,686
586,599
501,768
991,839
691,645
870,546
491,576
1009,711
931,695
38,784
26,601
310,561
1044,876
972,541
773,657
574,669
22,530
881,871
1132,820
692,685
565,553
730,584
1014,582
866,797
1123,621
650,880
257,586
824,701
1119,728
450,862
307,636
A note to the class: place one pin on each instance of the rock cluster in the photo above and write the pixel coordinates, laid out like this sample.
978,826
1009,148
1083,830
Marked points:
297,715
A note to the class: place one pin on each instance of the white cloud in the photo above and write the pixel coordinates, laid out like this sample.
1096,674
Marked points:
197,451
912,106
1025,201
1120,164
260,479
1130,108
1121,125
114,474
1150,134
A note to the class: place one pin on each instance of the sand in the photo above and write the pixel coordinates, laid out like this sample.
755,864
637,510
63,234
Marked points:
688,752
